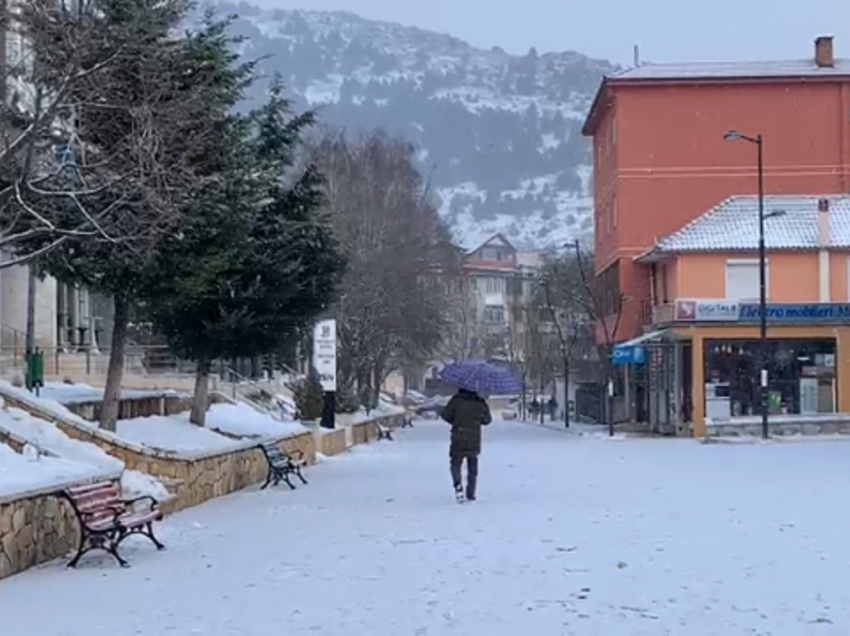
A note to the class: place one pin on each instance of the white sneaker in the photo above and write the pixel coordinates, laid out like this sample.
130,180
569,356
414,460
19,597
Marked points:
459,496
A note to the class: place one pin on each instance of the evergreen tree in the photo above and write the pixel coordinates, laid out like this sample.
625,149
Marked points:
309,397
256,260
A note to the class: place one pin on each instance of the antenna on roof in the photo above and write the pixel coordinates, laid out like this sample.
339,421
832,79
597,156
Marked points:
637,55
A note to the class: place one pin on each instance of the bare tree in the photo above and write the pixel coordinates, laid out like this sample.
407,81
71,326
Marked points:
54,50
463,332
604,308
132,136
394,296
573,306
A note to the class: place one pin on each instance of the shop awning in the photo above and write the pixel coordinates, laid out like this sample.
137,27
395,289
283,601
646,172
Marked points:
632,351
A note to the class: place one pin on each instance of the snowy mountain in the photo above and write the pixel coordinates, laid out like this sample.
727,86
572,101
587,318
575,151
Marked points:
499,135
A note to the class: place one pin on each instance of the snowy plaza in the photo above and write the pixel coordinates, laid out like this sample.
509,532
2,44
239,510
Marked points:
572,534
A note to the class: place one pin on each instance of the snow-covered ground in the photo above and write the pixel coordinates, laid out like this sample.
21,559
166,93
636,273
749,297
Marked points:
75,459
27,472
571,535
241,419
70,393
176,433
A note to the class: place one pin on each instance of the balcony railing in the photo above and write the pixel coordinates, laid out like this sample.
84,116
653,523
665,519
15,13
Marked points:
662,314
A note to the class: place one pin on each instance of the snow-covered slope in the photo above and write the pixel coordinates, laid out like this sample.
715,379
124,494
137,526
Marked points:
499,135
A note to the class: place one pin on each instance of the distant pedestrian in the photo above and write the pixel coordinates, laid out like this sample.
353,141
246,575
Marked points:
552,406
467,412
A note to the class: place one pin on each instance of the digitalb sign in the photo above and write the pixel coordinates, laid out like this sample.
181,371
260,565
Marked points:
732,311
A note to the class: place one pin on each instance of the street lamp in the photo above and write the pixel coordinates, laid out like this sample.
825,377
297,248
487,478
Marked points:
734,135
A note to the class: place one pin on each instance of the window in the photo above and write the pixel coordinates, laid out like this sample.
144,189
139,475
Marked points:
801,375
494,315
742,279
494,285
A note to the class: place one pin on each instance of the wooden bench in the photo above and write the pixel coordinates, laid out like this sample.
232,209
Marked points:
282,465
384,432
106,519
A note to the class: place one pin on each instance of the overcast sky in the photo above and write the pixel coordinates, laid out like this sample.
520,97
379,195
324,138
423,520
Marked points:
665,30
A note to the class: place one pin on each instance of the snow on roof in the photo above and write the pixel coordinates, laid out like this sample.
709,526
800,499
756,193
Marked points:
733,225
732,70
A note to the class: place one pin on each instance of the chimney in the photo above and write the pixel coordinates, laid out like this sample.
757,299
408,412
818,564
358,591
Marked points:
824,57
823,223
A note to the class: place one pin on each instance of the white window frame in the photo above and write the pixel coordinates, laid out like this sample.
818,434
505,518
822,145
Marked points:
494,285
747,261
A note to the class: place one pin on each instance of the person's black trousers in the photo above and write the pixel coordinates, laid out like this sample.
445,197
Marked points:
456,459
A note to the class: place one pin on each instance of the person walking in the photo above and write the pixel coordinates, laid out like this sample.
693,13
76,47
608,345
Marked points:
467,412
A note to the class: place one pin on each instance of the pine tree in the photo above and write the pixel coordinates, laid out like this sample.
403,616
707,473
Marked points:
256,260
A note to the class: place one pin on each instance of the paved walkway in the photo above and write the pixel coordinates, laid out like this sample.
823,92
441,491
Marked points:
572,535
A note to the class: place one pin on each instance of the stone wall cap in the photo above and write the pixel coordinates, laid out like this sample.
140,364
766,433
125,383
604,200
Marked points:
60,485
75,422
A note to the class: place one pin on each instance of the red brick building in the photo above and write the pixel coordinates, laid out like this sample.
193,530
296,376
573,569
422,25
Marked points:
660,160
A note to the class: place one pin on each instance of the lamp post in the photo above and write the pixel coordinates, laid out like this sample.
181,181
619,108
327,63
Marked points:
734,135
565,353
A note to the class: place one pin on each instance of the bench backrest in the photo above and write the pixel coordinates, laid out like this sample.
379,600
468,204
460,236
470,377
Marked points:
274,454
96,502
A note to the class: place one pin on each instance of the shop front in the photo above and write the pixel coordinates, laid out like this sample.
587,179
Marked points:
807,359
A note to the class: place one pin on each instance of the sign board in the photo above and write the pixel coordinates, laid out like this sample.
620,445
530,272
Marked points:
633,354
706,311
324,353
797,314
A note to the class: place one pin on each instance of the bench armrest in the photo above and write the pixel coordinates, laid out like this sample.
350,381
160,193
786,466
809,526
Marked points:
153,501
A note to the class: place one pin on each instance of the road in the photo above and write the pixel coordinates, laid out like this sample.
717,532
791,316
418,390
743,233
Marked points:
570,535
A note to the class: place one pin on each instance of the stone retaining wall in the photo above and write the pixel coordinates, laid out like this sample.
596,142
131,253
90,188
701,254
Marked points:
192,479
331,442
133,407
38,526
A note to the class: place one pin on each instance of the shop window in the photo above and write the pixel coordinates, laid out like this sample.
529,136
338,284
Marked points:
801,377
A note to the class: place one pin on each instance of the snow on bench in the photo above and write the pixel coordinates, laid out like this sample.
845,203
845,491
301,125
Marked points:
282,465
106,519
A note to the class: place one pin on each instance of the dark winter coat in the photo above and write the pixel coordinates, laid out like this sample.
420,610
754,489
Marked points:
467,412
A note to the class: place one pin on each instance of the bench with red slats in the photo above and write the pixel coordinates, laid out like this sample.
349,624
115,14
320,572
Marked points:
106,519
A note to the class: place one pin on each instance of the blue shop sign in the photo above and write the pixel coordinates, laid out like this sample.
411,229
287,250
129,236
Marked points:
797,314
629,354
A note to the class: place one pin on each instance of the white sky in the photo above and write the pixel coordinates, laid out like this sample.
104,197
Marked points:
665,30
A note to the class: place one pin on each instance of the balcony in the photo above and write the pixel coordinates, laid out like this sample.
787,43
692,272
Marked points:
663,314
656,314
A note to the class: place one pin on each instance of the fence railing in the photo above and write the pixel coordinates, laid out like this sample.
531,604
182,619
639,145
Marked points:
155,361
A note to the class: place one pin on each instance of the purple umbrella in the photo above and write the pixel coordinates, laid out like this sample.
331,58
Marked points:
481,377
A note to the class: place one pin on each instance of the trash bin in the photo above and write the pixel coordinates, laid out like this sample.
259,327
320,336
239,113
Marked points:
35,371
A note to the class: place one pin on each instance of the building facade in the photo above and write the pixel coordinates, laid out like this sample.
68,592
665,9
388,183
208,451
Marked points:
660,159
501,282
68,318
701,357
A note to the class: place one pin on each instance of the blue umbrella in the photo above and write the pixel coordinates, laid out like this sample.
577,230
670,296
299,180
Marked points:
481,377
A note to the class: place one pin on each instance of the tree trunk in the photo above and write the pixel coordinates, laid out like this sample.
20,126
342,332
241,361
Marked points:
200,401
115,370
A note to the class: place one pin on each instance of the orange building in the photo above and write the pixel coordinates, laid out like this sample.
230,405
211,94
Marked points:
660,159
704,339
